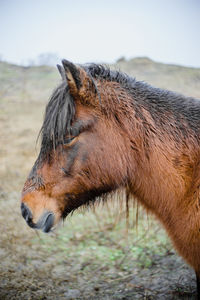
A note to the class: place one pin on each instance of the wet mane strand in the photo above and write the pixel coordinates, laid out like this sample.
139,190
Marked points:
101,72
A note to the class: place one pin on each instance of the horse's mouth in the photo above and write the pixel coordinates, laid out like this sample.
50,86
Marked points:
45,222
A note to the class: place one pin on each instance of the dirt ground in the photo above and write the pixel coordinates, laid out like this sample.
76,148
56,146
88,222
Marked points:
72,264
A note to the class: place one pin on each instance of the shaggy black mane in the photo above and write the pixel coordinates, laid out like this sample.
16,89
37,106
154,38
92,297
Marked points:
101,72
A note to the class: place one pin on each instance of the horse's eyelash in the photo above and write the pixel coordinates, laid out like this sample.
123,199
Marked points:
69,139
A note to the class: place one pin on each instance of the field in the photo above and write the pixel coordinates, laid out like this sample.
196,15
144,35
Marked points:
92,255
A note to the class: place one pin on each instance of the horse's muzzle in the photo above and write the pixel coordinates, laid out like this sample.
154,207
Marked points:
45,222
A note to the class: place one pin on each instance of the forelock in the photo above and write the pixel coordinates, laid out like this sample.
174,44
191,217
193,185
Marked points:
59,115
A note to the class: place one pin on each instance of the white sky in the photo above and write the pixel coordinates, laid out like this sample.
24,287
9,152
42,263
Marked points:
101,31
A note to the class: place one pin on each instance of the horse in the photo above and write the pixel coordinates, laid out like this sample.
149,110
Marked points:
104,131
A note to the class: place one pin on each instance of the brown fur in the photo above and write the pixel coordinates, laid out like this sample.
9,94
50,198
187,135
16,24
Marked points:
122,149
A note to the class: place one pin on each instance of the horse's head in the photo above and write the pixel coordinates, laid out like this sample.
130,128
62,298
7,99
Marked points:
83,149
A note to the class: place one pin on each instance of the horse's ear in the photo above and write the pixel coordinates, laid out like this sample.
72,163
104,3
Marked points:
72,75
80,84
61,71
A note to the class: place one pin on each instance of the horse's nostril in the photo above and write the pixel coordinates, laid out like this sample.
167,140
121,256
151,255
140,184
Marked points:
26,213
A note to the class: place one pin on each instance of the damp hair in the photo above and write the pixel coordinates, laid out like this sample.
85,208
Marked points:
60,110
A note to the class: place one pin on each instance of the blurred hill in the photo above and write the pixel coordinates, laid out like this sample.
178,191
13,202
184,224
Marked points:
27,83
36,83
172,77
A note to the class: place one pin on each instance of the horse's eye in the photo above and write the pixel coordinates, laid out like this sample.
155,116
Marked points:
68,140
